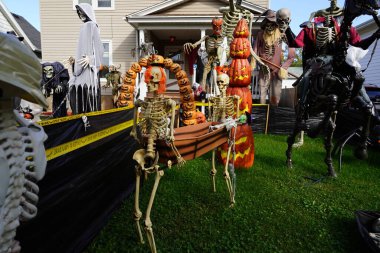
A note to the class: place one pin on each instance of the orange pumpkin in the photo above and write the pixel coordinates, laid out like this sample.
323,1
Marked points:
240,48
185,90
127,88
124,103
184,82
189,115
143,62
189,97
189,106
201,118
126,96
244,148
189,122
175,67
156,60
136,67
241,29
180,75
131,74
129,81
245,96
240,73
168,62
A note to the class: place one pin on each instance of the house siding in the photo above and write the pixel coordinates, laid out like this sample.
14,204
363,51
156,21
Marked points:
372,74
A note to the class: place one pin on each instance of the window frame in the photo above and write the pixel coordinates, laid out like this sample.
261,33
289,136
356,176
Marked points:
103,79
94,4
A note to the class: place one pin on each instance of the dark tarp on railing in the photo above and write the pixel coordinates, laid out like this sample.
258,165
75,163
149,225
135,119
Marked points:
82,188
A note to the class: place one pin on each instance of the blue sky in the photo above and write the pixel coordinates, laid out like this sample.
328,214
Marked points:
301,10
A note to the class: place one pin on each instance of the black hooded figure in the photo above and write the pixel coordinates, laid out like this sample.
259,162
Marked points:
84,84
55,78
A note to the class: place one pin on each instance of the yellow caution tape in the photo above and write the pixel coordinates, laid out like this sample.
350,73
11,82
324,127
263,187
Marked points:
70,146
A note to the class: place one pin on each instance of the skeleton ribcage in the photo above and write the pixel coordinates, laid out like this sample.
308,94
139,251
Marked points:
223,107
230,20
325,40
212,45
269,50
154,118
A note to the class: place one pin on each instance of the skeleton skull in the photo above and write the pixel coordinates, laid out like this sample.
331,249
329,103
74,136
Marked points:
156,76
283,18
270,27
217,25
222,81
48,71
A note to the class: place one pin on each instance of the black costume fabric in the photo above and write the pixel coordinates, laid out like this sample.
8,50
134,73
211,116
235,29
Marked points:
60,79
81,189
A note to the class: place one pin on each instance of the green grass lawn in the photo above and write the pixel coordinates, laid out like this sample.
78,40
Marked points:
276,210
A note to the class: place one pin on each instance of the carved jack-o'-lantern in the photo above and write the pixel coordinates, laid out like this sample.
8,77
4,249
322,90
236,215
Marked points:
240,73
189,114
168,62
189,106
143,62
136,67
127,88
131,74
156,60
242,29
244,147
184,82
201,118
189,97
175,67
245,98
126,96
240,48
185,90
129,81
124,103
180,75
189,122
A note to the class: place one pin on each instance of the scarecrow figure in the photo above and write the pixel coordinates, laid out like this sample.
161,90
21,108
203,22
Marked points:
84,85
55,78
114,80
268,46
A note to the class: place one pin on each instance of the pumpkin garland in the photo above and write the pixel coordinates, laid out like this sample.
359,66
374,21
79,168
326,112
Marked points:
126,90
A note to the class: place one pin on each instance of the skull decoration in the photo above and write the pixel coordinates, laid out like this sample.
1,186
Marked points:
270,27
217,26
283,18
49,72
155,78
222,81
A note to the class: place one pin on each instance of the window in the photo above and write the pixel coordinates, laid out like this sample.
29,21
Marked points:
107,57
97,4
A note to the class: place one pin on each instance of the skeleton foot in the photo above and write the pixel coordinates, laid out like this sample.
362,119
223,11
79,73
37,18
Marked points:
300,141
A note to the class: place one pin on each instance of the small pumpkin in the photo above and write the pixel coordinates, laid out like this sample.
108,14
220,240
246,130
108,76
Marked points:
184,82
189,122
185,90
180,75
189,115
240,48
131,74
143,62
240,73
175,67
168,62
156,60
124,103
129,81
241,29
201,118
136,67
189,106
127,88
187,97
126,96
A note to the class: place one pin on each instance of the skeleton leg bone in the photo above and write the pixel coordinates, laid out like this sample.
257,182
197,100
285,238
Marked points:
213,171
148,222
138,213
228,178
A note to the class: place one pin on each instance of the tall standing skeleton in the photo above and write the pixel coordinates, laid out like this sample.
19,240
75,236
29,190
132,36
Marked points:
22,154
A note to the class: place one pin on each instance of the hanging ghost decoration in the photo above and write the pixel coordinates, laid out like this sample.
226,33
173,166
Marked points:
84,85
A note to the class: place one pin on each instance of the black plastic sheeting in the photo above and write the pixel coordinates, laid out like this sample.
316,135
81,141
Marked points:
81,189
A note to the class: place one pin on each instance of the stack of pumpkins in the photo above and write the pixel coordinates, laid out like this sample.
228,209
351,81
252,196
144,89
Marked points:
240,78
126,91
189,113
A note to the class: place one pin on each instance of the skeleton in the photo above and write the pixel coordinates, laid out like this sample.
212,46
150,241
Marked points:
113,80
22,154
154,125
224,108
283,18
214,49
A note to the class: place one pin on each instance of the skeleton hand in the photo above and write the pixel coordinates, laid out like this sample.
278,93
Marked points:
170,138
59,89
85,61
188,47
134,134
68,62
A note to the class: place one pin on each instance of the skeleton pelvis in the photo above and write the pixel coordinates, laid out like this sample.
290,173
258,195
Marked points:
140,156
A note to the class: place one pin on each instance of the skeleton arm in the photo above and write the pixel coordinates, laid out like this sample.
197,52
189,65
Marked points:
136,110
237,101
263,67
188,47
171,103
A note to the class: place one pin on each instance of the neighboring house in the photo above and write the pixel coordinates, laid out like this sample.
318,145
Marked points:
13,22
372,74
126,24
